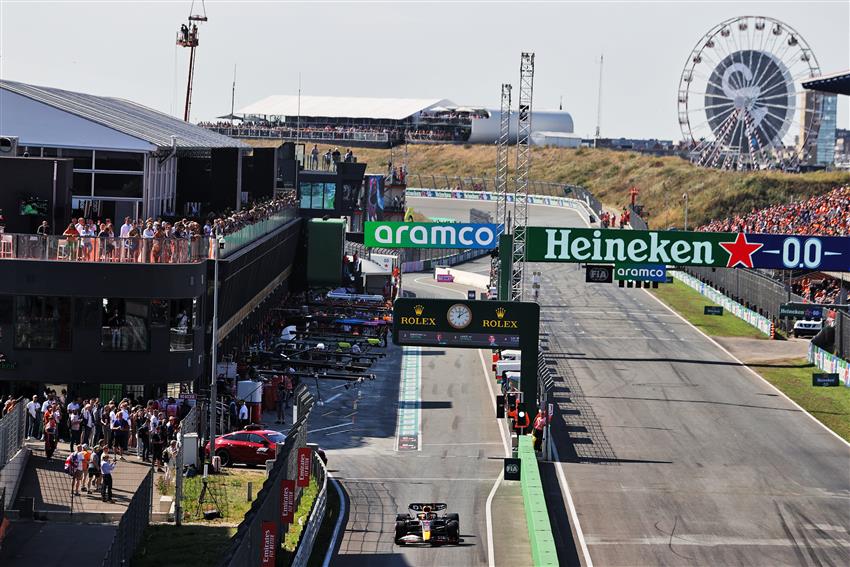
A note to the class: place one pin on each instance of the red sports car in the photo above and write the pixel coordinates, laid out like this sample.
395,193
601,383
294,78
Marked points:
252,447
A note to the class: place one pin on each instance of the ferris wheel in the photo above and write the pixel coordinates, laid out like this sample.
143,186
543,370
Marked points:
741,103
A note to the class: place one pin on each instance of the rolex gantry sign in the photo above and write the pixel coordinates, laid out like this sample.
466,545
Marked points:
472,324
469,324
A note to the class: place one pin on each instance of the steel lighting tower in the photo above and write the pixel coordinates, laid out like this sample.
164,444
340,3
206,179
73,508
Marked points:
502,174
523,164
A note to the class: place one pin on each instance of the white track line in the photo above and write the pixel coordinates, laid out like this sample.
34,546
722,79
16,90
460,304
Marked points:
759,376
488,509
330,552
331,427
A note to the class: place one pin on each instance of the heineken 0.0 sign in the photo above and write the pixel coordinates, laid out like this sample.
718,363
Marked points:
718,249
380,234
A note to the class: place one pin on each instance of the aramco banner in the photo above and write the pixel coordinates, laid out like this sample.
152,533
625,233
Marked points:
431,235
717,249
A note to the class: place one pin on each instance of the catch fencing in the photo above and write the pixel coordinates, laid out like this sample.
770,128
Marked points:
12,432
258,538
132,526
760,322
751,288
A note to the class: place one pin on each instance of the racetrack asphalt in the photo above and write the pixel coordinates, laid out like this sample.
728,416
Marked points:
460,456
674,452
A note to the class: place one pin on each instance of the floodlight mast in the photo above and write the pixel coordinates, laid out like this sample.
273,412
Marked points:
523,165
501,175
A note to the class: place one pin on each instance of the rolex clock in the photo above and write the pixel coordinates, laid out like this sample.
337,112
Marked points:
459,316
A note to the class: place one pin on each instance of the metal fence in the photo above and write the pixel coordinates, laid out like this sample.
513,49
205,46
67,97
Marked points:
188,425
305,134
262,529
751,288
132,526
317,515
459,183
12,432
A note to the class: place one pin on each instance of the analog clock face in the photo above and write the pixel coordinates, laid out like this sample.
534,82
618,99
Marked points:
459,316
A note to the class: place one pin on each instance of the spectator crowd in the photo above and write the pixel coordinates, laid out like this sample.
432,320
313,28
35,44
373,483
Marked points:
155,241
825,215
100,435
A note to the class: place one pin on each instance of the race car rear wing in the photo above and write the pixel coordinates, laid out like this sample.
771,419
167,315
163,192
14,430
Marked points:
420,506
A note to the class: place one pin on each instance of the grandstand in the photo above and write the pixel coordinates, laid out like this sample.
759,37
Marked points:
827,215
376,122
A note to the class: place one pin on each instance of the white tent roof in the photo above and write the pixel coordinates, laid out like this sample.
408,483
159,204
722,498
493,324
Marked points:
341,107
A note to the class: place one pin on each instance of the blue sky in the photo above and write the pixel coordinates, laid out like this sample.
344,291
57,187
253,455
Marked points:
459,50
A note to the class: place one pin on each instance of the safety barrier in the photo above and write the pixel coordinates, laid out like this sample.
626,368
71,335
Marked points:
257,539
587,205
828,362
132,526
317,515
541,189
543,550
760,322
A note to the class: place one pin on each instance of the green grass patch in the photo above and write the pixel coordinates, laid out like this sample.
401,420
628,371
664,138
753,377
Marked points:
308,496
230,489
831,406
689,303
172,546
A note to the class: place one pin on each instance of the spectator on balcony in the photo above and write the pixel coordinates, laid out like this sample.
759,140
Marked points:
327,159
335,155
314,157
349,156
126,228
43,229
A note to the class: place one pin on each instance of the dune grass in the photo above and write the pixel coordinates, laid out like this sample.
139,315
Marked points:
609,175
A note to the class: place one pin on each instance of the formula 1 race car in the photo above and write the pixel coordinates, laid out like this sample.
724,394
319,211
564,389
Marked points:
422,524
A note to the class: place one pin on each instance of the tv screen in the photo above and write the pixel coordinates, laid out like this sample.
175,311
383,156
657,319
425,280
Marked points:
34,206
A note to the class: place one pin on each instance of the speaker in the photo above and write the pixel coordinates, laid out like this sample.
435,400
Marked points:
8,146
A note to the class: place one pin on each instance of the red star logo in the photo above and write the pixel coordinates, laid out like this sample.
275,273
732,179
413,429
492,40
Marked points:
740,251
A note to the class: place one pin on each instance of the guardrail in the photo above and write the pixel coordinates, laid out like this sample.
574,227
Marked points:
246,235
467,195
134,250
317,515
760,322
301,134
131,527
543,552
456,183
